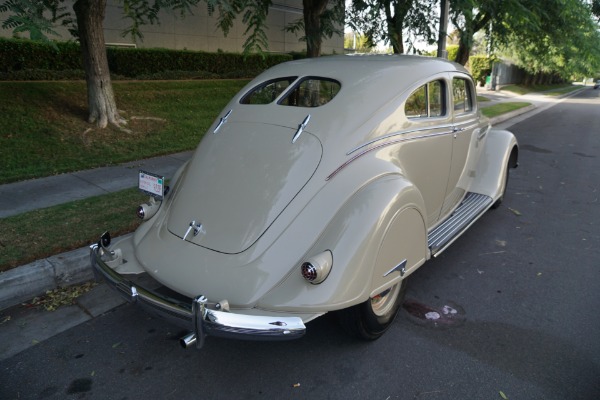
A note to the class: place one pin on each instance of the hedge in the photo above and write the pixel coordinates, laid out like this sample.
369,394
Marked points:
480,67
26,59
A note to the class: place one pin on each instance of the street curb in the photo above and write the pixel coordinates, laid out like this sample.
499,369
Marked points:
34,279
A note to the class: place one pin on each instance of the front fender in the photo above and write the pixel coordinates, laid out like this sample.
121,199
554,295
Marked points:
362,238
500,151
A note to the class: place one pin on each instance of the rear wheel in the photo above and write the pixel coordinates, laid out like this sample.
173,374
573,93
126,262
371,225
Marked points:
370,320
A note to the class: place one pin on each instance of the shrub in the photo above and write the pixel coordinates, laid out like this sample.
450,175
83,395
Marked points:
480,67
25,59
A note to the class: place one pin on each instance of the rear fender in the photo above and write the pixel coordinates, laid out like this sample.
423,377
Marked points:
362,239
402,250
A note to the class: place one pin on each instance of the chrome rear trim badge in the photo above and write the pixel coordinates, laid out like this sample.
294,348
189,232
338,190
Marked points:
400,268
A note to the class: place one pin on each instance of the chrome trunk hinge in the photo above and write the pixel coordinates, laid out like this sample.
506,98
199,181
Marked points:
222,121
301,128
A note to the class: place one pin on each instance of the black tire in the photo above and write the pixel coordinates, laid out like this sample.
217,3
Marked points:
370,320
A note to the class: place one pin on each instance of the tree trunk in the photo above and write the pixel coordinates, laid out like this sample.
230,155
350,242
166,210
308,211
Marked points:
313,9
101,98
466,36
395,23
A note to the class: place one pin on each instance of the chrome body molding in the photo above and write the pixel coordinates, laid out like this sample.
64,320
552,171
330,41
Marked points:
391,135
385,144
398,268
452,129
196,315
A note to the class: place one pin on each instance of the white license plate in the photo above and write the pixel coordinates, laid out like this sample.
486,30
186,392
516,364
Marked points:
152,184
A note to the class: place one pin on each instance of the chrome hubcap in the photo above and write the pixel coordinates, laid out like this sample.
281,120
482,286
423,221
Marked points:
383,303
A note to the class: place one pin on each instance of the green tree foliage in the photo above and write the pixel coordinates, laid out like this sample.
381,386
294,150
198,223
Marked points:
500,20
395,22
38,18
566,45
356,42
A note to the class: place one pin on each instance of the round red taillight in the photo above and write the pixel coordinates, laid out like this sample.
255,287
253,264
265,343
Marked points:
309,272
316,269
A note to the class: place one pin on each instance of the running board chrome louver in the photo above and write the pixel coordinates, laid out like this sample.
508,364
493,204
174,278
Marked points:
472,207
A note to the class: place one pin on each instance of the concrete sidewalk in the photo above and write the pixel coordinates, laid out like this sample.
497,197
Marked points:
25,282
20,197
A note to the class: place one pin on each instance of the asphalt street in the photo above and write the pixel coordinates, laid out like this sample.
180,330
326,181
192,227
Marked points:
519,292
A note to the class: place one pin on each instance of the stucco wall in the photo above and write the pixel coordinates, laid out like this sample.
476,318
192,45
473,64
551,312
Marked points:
199,31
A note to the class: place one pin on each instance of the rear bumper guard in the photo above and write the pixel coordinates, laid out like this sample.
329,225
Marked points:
197,316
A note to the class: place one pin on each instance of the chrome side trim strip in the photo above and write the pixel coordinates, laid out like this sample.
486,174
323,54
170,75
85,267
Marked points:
381,145
469,123
450,126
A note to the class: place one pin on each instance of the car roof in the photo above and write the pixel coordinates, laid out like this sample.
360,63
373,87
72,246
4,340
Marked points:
403,70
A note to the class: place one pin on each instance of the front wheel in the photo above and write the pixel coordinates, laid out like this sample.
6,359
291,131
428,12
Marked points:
370,320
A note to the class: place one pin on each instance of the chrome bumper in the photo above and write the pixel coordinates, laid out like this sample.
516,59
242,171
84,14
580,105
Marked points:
196,315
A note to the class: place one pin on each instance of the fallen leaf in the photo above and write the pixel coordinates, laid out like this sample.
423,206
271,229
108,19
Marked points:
296,385
55,298
503,395
516,212
539,274
93,373
5,319
34,341
114,346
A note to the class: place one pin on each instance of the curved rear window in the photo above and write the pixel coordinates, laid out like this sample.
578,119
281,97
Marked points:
309,92
312,92
267,92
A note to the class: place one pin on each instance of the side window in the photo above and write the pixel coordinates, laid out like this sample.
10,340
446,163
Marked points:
426,101
267,92
462,95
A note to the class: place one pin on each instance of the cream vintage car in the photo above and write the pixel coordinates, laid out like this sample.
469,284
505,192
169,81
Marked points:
320,188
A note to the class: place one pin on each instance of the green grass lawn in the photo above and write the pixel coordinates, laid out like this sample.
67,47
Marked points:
43,127
503,108
41,233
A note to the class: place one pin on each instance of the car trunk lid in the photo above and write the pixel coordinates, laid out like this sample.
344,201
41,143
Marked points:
238,182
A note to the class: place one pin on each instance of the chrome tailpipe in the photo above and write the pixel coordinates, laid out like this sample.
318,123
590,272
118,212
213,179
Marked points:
188,340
